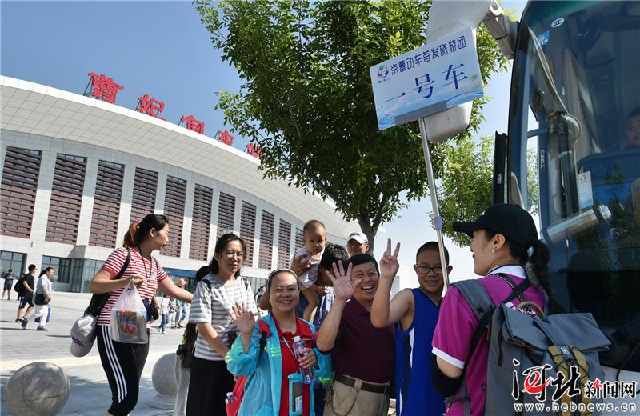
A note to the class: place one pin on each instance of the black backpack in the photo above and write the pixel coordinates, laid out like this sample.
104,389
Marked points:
19,286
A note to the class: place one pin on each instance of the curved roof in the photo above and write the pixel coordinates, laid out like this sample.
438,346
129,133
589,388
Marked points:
38,109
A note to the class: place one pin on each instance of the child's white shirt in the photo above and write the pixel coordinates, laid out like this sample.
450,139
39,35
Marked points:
309,278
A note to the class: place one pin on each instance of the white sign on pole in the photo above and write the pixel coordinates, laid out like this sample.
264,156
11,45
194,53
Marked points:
432,78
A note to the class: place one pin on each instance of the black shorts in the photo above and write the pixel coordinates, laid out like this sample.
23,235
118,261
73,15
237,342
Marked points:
8,284
26,300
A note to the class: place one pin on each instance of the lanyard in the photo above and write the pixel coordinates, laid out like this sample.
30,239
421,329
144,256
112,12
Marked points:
147,274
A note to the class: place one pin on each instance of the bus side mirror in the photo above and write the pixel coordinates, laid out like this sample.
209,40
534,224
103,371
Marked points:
500,151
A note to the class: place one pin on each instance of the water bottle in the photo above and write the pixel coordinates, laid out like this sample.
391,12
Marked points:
299,349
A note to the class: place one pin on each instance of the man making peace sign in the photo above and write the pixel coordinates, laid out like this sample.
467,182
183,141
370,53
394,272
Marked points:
362,354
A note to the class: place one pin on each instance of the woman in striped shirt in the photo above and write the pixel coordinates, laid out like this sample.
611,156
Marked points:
123,362
215,296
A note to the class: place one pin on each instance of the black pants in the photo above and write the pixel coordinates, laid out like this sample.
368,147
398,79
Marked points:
208,387
123,364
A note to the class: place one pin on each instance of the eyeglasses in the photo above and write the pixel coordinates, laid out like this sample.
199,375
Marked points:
428,269
232,253
285,289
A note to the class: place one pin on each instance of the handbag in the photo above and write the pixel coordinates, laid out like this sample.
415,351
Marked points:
41,299
83,331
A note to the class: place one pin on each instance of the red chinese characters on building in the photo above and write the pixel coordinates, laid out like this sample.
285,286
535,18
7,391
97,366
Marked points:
254,150
103,87
149,105
225,137
192,123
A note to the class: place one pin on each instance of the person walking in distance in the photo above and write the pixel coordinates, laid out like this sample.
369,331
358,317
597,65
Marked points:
24,287
8,277
41,298
181,307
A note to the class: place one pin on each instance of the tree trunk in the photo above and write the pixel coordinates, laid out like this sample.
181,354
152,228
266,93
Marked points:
369,231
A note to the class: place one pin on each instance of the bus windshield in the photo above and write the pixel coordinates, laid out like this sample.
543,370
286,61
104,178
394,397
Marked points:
575,157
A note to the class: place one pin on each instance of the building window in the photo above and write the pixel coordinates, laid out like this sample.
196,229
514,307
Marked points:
106,204
10,260
226,212
175,196
18,191
266,241
143,200
284,244
201,222
60,266
66,198
247,230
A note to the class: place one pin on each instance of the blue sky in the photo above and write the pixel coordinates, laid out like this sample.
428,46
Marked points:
162,49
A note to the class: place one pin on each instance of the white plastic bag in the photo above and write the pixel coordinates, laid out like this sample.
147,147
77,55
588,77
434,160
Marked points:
128,318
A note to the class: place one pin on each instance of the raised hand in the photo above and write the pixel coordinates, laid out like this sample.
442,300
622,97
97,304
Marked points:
342,284
301,264
243,318
389,262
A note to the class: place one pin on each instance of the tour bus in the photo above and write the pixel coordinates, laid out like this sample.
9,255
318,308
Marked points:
575,103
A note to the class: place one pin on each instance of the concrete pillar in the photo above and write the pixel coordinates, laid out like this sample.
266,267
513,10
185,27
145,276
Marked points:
3,153
86,209
187,220
213,224
41,206
161,193
237,214
256,238
124,216
274,253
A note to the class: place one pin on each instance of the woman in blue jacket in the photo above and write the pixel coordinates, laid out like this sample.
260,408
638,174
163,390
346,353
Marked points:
264,352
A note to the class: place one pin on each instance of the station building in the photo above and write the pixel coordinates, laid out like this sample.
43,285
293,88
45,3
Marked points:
76,171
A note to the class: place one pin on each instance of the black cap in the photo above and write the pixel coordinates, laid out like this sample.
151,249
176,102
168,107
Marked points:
513,222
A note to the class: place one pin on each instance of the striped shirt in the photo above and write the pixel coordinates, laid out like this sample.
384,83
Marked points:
212,303
150,269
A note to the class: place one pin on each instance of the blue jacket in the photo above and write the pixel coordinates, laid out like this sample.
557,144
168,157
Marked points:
263,388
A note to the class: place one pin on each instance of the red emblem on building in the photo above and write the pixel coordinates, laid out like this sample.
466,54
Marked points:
192,123
225,137
103,87
254,150
149,105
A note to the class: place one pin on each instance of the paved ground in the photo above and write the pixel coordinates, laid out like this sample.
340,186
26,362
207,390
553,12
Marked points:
90,394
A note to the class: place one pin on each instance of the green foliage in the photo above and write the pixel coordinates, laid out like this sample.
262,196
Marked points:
533,185
307,99
466,182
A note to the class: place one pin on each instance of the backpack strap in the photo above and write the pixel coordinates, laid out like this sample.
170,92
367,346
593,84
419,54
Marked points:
98,301
483,307
478,304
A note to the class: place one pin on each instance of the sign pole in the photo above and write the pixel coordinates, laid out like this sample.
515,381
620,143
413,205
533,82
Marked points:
422,122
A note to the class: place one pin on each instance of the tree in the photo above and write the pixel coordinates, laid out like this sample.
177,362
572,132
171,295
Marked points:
467,177
466,182
307,99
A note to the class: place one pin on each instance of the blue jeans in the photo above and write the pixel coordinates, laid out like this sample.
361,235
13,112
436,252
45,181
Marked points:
181,312
164,321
